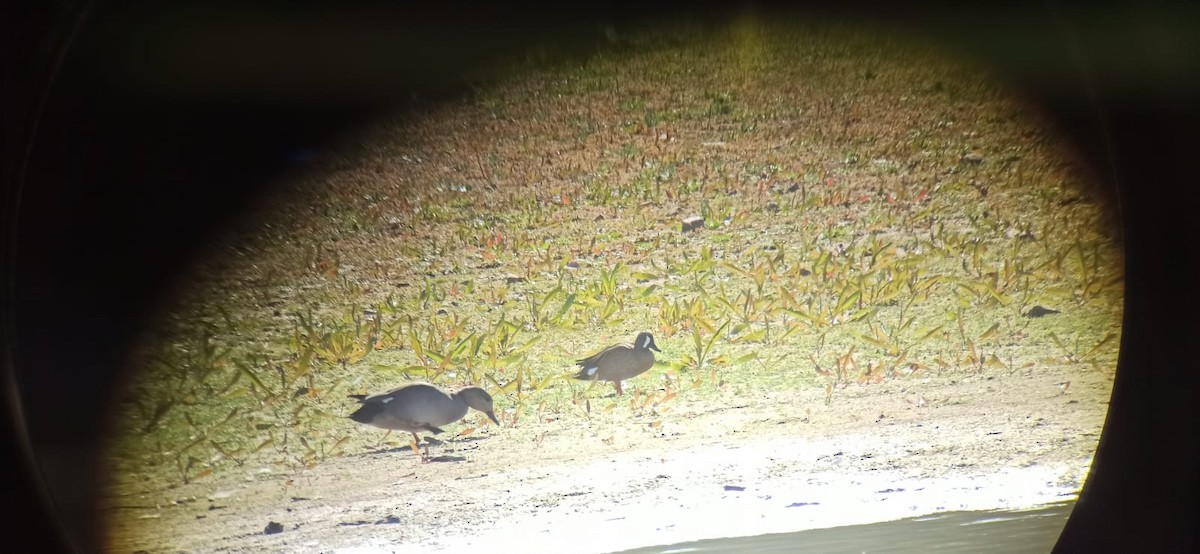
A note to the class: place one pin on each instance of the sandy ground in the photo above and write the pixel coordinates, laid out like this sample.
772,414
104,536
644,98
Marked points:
784,461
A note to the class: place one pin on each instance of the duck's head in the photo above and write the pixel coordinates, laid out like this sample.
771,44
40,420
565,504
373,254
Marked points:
645,340
479,399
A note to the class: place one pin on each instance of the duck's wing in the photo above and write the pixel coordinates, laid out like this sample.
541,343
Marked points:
594,358
376,416
628,363
368,413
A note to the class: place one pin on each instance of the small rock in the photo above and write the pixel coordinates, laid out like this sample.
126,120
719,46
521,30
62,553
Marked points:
692,223
390,519
734,488
510,278
772,207
1039,311
273,528
795,187
572,265
799,504
805,272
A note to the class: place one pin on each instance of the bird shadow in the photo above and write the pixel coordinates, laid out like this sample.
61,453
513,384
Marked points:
441,458
432,442
387,450
446,458
439,442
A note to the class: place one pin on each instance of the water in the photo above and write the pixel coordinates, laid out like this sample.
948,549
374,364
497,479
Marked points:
995,531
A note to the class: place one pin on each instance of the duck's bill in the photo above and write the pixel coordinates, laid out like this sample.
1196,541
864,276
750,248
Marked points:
492,416
654,348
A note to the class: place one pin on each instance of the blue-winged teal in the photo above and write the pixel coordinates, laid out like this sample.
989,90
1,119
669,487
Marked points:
619,361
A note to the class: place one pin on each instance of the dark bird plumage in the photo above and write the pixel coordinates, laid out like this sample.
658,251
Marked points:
619,362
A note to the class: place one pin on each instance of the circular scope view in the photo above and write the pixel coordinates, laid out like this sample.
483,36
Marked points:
706,282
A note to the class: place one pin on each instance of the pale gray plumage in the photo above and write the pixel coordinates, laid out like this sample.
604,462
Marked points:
420,407
619,361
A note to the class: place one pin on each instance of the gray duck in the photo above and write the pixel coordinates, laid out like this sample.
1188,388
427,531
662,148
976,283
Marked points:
420,407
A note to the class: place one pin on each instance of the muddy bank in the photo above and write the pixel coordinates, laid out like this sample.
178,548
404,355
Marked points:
783,461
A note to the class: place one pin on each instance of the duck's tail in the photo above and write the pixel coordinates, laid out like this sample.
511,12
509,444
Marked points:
586,373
